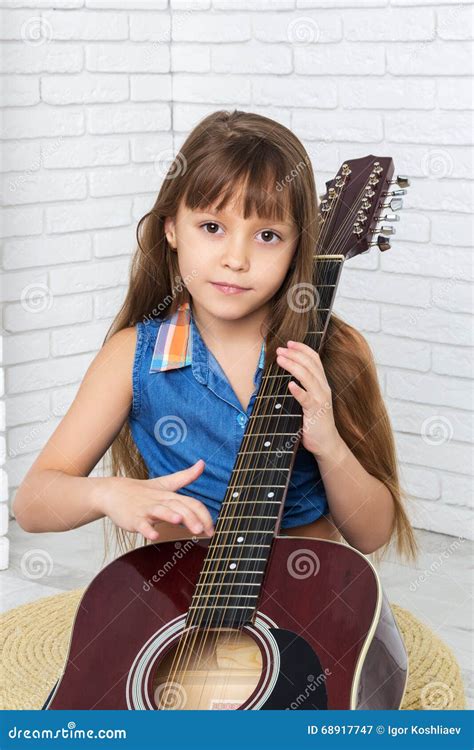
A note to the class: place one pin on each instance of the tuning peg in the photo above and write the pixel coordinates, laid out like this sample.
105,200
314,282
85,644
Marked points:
390,217
382,243
386,230
402,181
396,192
394,205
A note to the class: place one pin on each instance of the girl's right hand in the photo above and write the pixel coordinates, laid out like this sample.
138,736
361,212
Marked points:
136,504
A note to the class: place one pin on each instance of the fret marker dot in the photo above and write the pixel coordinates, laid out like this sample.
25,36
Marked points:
270,494
232,566
235,494
266,443
277,406
240,539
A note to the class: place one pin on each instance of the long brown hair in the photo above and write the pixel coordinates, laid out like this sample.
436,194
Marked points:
224,151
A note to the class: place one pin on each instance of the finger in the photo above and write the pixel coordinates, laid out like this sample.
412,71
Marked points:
199,508
310,354
298,370
165,513
180,478
190,519
299,393
147,530
304,358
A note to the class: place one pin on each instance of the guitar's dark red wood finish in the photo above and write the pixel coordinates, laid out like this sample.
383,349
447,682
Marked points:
335,606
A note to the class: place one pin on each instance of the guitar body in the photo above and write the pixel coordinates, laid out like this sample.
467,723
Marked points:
323,636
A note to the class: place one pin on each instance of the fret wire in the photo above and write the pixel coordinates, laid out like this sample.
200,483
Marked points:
255,518
247,596
241,453
266,486
276,396
271,416
329,256
231,559
230,583
204,606
241,572
251,502
264,435
264,468
239,544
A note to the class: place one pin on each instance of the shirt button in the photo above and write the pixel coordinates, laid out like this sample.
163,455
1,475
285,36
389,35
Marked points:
241,419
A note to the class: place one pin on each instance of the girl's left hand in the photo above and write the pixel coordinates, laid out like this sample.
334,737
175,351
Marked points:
319,432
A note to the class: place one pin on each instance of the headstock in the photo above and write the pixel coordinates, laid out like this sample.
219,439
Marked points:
358,204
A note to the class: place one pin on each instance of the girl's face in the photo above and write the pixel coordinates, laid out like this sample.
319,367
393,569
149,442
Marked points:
224,247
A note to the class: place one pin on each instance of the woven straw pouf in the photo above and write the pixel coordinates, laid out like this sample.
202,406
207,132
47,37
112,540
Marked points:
35,641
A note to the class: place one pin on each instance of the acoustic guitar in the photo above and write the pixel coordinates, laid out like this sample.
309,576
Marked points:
250,619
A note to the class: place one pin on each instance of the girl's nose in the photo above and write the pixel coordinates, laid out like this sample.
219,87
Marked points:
236,257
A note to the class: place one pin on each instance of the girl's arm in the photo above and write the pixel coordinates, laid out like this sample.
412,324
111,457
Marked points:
361,505
56,493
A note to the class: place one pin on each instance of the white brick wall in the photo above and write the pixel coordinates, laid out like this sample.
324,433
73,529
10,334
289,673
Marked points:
94,91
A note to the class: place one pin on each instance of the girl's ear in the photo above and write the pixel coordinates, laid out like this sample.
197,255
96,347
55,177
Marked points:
170,232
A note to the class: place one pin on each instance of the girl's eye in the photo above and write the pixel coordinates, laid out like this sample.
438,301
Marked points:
210,224
266,232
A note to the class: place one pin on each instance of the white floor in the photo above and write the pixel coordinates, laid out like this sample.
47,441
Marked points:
438,590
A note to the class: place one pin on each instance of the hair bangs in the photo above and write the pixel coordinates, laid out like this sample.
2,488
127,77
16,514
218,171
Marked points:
254,184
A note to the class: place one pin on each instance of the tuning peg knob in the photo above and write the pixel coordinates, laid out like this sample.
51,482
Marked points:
386,230
391,217
382,243
394,205
402,181
396,192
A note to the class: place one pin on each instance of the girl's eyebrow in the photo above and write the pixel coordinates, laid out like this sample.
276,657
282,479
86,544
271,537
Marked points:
261,220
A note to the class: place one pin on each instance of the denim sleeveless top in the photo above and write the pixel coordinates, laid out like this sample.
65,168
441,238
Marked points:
184,408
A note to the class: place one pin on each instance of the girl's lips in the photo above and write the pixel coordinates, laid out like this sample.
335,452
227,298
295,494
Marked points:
228,289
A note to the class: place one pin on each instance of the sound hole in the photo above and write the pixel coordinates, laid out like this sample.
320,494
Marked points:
208,670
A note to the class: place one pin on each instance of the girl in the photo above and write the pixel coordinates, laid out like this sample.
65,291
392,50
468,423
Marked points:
175,381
